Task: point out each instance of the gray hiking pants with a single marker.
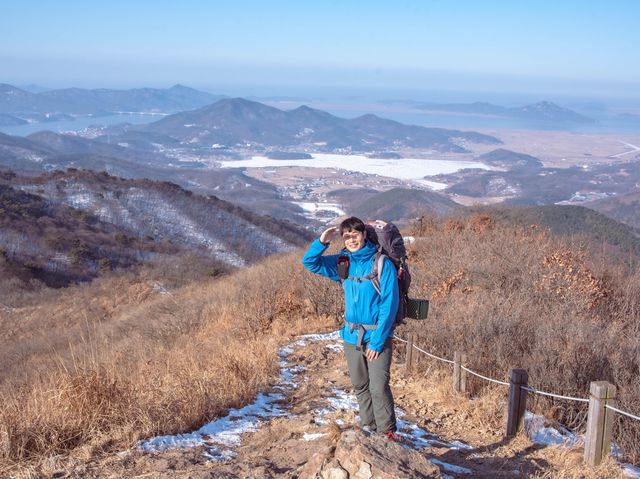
(370, 381)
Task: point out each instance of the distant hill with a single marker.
(233, 122)
(75, 145)
(569, 220)
(9, 120)
(548, 111)
(119, 222)
(396, 204)
(46, 151)
(540, 112)
(80, 101)
(623, 207)
(509, 160)
(33, 88)
(21, 154)
(540, 186)
(475, 108)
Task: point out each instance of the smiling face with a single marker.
(354, 240)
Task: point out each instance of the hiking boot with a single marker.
(392, 436)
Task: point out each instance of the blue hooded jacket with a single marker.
(363, 304)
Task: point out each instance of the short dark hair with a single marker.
(352, 224)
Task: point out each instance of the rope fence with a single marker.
(557, 396)
(433, 355)
(600, 415)
(637, 418)
(484, 377)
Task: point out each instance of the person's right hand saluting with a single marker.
(329, 235)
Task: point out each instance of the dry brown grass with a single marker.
(567, 464)
(517, 297)
(116, 361)
(99, 366)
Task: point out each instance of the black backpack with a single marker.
(387, 237)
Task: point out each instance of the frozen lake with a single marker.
(404, 169)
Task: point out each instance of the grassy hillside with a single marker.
(574, 221)
(126, 357)
(71, 226)
(107, 363)
(516, 296)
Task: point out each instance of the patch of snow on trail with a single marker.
(450, 467)
(419, 438)
(219, 435)
(225, 432)
(307, 436)
(541, 434)
(631, 471)
(549, 436)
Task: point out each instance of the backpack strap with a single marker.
(362, 328)
(376, 272)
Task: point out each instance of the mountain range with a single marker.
(21, 104)
(69, 225)
(183, 147)
(543, 111)
(46, 151)
(240, 122)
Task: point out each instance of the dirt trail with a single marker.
(305, 411)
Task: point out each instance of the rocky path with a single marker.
(305, 422)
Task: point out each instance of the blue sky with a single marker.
(563, 45)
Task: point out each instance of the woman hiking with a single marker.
(369, 318)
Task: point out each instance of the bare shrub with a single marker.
(122, 359)
(518, 297)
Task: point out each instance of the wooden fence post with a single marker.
(410, 356)
(597, 442)
(517, 400)
(459, 374)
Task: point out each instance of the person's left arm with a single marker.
(388, 307)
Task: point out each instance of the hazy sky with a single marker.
(458, 44)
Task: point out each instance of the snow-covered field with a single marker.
(404, 169)
(320, 211)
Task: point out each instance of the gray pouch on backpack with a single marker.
(417, 308)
